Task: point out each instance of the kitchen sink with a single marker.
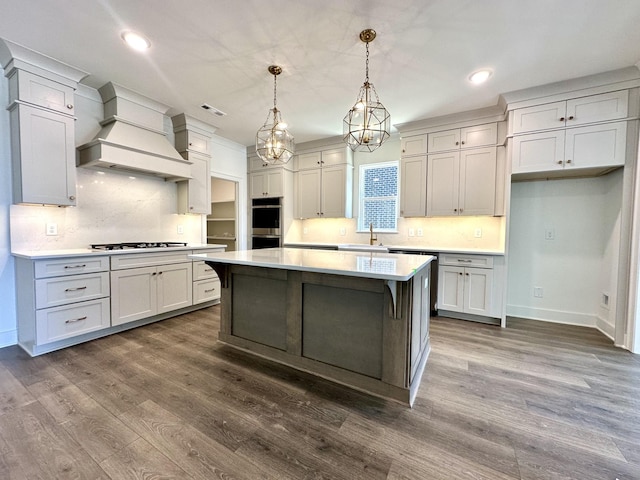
(363, 247)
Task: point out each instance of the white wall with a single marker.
(8, 334)
(575, 267)
(229, 161)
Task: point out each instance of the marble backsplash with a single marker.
(111, 207)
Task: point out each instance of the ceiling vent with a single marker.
(212, 110)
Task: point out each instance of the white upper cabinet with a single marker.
(574, 149)
(413, 186)
(414, 145)
(41, 91)
(462, 183)
(574, 112)
(268, 183)
(468, 137)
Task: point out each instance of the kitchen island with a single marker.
(360, 319)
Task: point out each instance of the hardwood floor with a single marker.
(533, 401)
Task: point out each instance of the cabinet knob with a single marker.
(72, 197)
(455, 209)
(460, 210)
(562, 119)
(467, 274)
(571, 117)
(559, 162)
(462, 143)
(69, 106)
(190, 208)
(460, 273)
(457, 143)
(568, 161)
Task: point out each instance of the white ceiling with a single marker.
(217, 51)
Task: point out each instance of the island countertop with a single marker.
(384, 266)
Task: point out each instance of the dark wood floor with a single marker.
(533, 401)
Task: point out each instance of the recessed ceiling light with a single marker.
(136, 41)
(480, 76)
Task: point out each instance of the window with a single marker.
(378, 197)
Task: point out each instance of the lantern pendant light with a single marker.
(274, 143)
(366, 126)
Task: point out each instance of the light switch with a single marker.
(549, 233)
(412, 232)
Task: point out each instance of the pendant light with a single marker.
(274, 143)
(366, 126)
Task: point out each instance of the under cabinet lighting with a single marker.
(136, 41)
(480, 76)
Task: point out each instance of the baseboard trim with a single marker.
(606, 328)
(554, 316)
(8, 338)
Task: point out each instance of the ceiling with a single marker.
(218, 51)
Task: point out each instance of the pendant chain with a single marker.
(366, 78)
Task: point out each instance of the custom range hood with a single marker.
(132, 138)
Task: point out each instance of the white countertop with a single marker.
(83, 252)
(385, 266)
(406, 248)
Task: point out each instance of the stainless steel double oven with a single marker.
(266, 217)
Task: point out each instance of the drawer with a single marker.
(481, 261)
(58, 323)
(51, 292)
(30, 88)
(119, 262)
(57, 267)
(202, 271)
(206, 290)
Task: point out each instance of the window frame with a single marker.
(361, 175)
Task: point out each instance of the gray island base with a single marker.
(357, 318)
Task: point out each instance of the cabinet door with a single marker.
(194, 195)
(309, 186)
(539, 117)
(133, 294)
(451, 288)
(275, 183)
(309, 160)
(596, 146)
(415, 145)
(443, 181)
(334, 157)
(479, 135)
(597, 108)
(41, 91)
(477, 291)
(174, 286)
(258, 186)
(43, 149)
(442, 141)
(333, 199)
(413, 186)
(477, 195)
(538, 152)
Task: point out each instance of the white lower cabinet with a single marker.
(465, 285)
(60, 299)
(139, 293)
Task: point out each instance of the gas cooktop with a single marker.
(128, 245)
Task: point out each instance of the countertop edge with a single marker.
(84, 252)
(469, 251)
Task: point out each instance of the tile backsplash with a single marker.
(111, 207)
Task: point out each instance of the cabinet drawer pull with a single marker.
(465, 260)
(74, 289)
(208, 269)
(74, 320)
(210, 290)
(75, 266)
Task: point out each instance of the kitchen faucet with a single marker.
(371, 237)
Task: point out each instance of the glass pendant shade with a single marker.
(274, 143)
(367, 124)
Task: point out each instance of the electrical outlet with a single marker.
(419, 232)
(180, 229)
(549, 233)
(305, 230)
(537, 292)
(52, 229)
(343, 231)
(412, 232)
(477, 233)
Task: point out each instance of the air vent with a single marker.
(212, 110)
